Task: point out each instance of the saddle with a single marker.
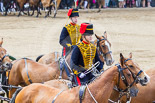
(71, 76)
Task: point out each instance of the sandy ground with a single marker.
(129, 30)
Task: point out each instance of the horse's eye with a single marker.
(128, 75)
(130, 66)
(102, 46)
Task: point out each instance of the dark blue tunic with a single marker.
(78, 64)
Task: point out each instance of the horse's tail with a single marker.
(39, 58)
(14, 95)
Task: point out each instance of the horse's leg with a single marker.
(33, 7)
(19, 14)
(81, 3)
(22, 6)
(20, 9)
(37, 11)
(29, 11)
(6, 8)
(100, 4)
(49, 9)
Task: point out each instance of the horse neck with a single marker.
(103, 86)
(98, 51)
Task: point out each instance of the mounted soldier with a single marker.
(84, 55)
(70, 34)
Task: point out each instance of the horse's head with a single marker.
(138, 74)
(104, 49)
(5, 62)
(125, 82)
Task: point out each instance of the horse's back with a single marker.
(36, 93)
(49, 58)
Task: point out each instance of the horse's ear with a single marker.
(130, 55)
(98, 37)
(105, 34)
(1, 42)
(122, 59)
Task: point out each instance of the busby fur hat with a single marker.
(73, 12)
(86, 29)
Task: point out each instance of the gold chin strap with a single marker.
(89, 29)
(75, 11)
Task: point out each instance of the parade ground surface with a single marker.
(129, 30)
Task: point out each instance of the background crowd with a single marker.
(67, 4)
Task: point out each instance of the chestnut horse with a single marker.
(49, 4)
(34, 4)
(5, 62)
(146, 94)
(103, 48)
(25, 71)
(100, 3)
(98, 91)
(20, 4)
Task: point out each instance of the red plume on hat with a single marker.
(69, 12)
(83, 28)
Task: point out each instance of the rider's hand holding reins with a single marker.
(82, 75)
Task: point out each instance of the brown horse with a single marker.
(103, 47)
(20, 4)
(98, 91)
(34, 4)
(115, 94)
(25, 71)
(49, 4)
(100, 3)
(5, 62)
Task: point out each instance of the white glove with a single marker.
(82, 75)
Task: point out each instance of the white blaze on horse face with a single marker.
(147, 78)
(108, 45)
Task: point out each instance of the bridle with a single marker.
(103, 46)
(1, 61)
(121, 75)
(6, 55)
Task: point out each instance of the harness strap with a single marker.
(57, 96)
(91, 94)
(66, 69)
(27, 71)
